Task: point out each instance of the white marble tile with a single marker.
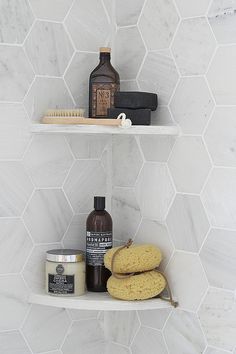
(45, 328)
(193, 46)
(48, 160)
(15, 131)
(49, 48)
(15, 245)
(128, 15)
(154, 318)
(218, 318)
(51, 10)
(221, 16)
(154, 191)
(48, 215)
(79, 315)
(189, 164)
(129, 85)
(12, 342)
(77, 77)
(119, 326)
(87, 146)
(88, 25)
(46, 93)
(15, 188)
(16, 19)
(187, 222)
(220, 137)
(156, 149)
(223, 82)
(15, 72)
(34, 271)
(13, 301)
(211, 350)
(159, 75)
(219, 197)
(90, 339)
(86, 179)
(126, 213)
(161, 116)
(126, 161)
(183, 333)
(75, 236)
(152, 232)
(218, 258)
(148, 341)
(191, 8)
(187, 280)
(158, 23)
(129, 52)
(192, 105)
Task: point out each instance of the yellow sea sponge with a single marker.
(137, 287)
(136, 258)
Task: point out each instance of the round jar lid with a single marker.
(65, 255)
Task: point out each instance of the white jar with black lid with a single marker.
(65, 272)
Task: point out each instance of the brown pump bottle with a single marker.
(98, 241)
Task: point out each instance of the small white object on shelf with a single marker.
(99, 129)
(97, 301)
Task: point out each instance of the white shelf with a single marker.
(97, 129)
(97, 301)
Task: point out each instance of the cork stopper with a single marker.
(105, 50)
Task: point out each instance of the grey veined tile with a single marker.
(219, 198)
(88, 25)
(15, 72)
(220, 137)
(12, 342)
(187, 222)
(191, 8)
(221, 16)
(87, 146)
(49, 48)
(211, 350)
(218, 318)
(44, 94)
(159, 75)
(193, 46)
(149, 340)
(218, 258)
(223, 82)
(183, 333)
(16, 19)
(127, 15)
(158, 23)
(51, 10)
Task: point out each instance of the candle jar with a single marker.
(65, 272)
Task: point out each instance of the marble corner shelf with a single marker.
(97, 301)
(95, 129)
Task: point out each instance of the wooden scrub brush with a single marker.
(76, 116)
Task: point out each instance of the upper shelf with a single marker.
(97, 301)
(97, 129)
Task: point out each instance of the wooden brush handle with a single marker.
(81, 120)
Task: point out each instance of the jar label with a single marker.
(61, 284)
(103, 98)
(97, 243)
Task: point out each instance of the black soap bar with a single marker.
(136, 100)
(137, 116)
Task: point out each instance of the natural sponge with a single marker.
(137, 287)
(136, 258)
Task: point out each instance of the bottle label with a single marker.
(97, 243)
(61, 284)
(103, 98)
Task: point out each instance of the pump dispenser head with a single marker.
(99, 203)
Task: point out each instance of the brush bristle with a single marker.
(79, 112)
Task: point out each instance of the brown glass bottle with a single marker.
(98, 241)
(104, 81)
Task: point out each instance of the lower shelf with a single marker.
(97, 301)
